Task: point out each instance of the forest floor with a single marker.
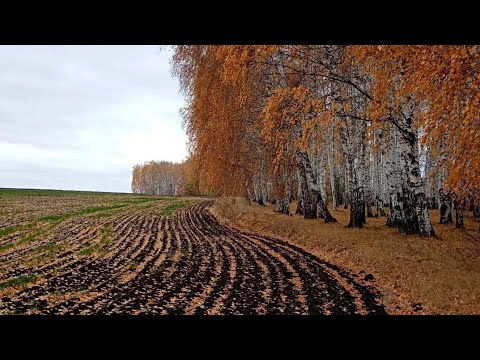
(415, 275)
(93, 253)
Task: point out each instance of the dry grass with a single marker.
(442, 274)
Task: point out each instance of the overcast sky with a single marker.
(80, 117)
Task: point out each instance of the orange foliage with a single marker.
(250, 106)
(445, 80)
(158, 178)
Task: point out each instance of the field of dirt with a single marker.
(416, 275)
(123, 254)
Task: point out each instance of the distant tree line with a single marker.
(158, 178)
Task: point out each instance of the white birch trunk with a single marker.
(332, 166)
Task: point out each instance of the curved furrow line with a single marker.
(89, 231)
(209, 301)
(187, 263)
(336, 297)
(221, 301)
(368, 296)
(106, 273)
(194, 300)
(138, 255)
(283, 294)
(9, 238)
(247, 293)
(57, 261)
(81, 240)
(260, 268)
(246, 296)
(202, 272)
(139, 242)
(125, 238)
(115, 297)
(153, 288)
(130, 296)
(120, 269)
(320, 288)
(77, 276)
(110, 290)
(187, 283)
(58, 237)
(274, 275)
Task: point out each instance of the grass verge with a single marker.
(416, 275)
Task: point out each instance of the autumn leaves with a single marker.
(264, 121)
(158, 178)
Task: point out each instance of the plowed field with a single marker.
(162, 256)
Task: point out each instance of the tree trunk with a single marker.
(382, 183)
(430, 185)
(368, 204)
(332, 167)
(257, 190)
(347, 190)
(380, 209)
(459, 216)
(322, 181)
(366, 180)
(319, 173)
(395, 216)
(309, 204)
(356, 195)
(357, 208)
(248, 192)
(417, 219)
(476, 212)
(260, 200)
(442, 173)
(323, 210)
(445, 207)
(300, 191)
(282, 203)
(313, 196)
(308, 201)
(383, 177)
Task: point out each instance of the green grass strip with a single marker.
(170, 209)
(9, 230)
(6, 247)
(21, 280)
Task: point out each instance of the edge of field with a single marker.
(415, 275)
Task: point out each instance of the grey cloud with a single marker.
(67, 179)
(82, 100)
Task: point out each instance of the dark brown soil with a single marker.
(184, 264)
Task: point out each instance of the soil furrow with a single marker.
(138, 262)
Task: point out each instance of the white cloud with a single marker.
(26, 152)
(81, 116)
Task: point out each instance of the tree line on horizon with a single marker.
(158, 178)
